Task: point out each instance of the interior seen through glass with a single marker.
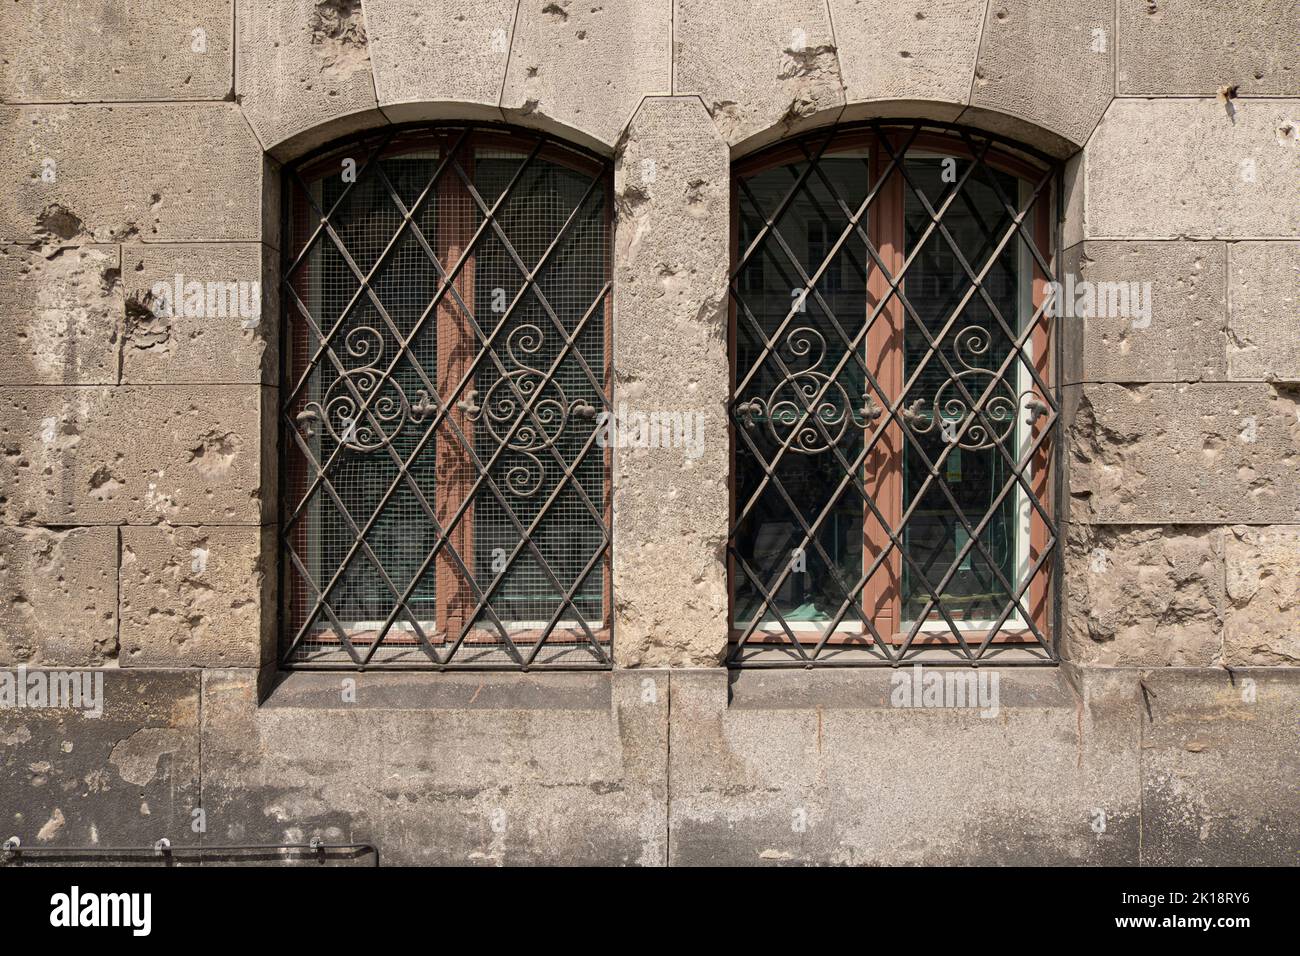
(812, 353)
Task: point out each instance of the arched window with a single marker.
(445, 352)
(894, 410)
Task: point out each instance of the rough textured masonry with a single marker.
(138, 464)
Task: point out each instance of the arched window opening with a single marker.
(894, 409)
(445, 353)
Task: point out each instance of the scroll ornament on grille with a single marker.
(952, 415)
(786, 408)
(526, 432)
(364, 409)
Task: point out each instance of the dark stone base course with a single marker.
(688, 767)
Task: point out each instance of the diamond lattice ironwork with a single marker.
(445, 352)
(894, 412)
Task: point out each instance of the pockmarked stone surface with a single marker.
(1264, 311)
(559, 47)
(198, 597)
(203, 312)
(890, 51)
(149, 171)
(1231, 178)
(1051, 65)
(101, 50)
(423, 69)
(776, 72)
(304, 72)
(137, 455)
(58, 599)
(1150, 311)
(1145, 596)
(62, 311)
(1197, 46)
(1262, 613)
(670, 294)
(1193, 453)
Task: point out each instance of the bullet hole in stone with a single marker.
(339, 22)
(109, 279)
(555, 10)
(145, 329)
(57, 224)
(104, 484)
(215, 454)
(1226, 95)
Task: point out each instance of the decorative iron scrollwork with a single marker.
(530, 432)
(363, 409)
(950, 413)
(784, 410)
(972, 429)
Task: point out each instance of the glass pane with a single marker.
(794, 351)
(526, 470)
(970, 350)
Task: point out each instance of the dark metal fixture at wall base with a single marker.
(14, 854)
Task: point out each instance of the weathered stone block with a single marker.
(138, 455)
(1185, 168)
(59, 596)
(200, 313)
(201, 597)
(101, 50)
(1264, 311)
(1051, 65)
(1262, 613)
(125, 778)
(824, 767)
(304, 73)
(1175, 327)
(1196, 46)
(1148, 597)
(560, 47)
(443, 59)
(61, 311)
(173, 171)
(1073, 229)
(670, 296)
(1219, 766)
(890, 51)
(1194, 454)
(563, 768)
(765, 73)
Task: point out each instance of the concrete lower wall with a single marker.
(680, 766)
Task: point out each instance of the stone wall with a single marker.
(137, 485)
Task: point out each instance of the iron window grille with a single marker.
(445, 352)
(894, 412)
